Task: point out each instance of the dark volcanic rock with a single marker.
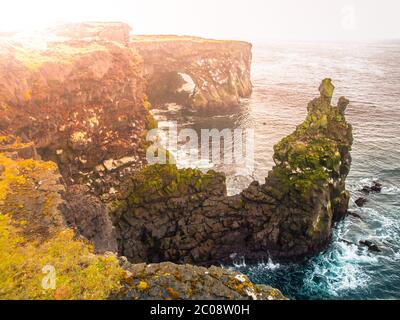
(33, 205)
(360, 202)
(366, 190)
(81, 102)
(346, 241)
(165, 214)
(353, 214)
(375, 188)
(89, 217)
(371, 246)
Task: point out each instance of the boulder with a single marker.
(354, 214)
(169, 281)
(376, 187)
(371, 246)
(360, 202)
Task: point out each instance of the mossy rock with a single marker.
(163, 181)
(33, 236)
(306, 159)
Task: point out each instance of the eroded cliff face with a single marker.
(36, 234)
(80, 102)
(81, 96)
(197, 73)
(166, 214)
(32, 192)
(78, 98)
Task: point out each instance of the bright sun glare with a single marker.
(233, 19)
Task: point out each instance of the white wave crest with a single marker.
(390, 190)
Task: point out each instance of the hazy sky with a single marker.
(234, 19)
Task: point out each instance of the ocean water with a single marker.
(285, 77)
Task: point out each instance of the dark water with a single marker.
(285, 77)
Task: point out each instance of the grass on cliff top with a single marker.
(33, 59)
(60, 53)
(66, 49)
(79, 273)
(15, 173)
(175, 38)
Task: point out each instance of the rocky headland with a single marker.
(76, 192)
(201, 74)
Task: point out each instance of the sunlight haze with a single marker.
(233, 19)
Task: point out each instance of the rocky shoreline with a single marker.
(73, 121)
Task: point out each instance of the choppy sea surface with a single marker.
(285, 77)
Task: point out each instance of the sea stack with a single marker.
(166, 214)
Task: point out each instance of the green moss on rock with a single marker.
(166, 181)
(308, 157)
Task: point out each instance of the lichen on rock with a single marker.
(33, 235)
(169, 281)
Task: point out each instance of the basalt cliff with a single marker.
(77, 194)
(198, 73)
